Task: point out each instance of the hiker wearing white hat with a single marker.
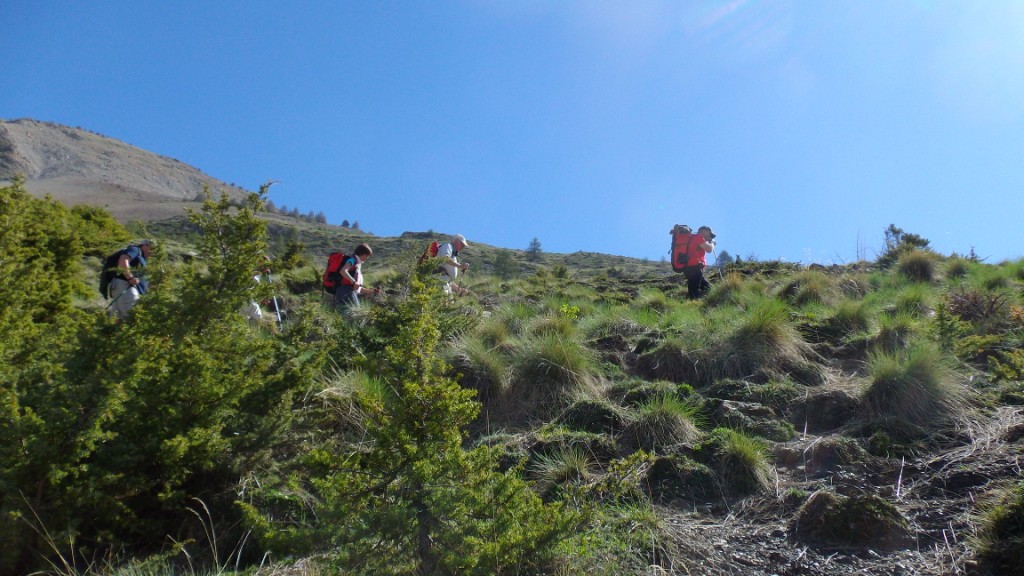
(450, 265)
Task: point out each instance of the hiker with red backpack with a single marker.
(689, 256)
(347, 278)
(450, 266)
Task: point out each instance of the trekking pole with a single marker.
(273, 297)
(721, 276)
(122, 293)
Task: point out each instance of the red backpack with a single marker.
(430, 252)
(332, 275)
(681, 236)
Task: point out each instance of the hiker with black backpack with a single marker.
(349, 284)
(689, 256)
(123, 278)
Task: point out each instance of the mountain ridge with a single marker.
(77, 166)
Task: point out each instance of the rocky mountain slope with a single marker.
(76, 166)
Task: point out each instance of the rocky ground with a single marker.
(936, 493)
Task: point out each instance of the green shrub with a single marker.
(412, 499)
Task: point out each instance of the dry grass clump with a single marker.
(662, 422)
(861, 521)
(911, 393)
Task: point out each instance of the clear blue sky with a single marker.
(797, 129)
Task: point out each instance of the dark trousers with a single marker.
(696, 284)
(345, 295)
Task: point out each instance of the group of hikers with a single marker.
(123, 280)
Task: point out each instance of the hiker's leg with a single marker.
(125, 296)
(704, 285)
(345, 296)
(693, 278)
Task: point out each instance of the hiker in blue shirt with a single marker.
(129, 283)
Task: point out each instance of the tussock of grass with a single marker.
(662, 422)
(912, 392)
(854, 286)
(610, 321)
(765, 345)
(957, 267)
(810, 287)
(1000, 539)
(733, 290)
(674, 360)
(549, 373)
(481, 367)
(655, 300)
(570, 465)
(852, 316)
(916, 299)
(494, 332)
(918, 266)
(595, 415)
(555, 323)
(895, 332)
(740, 461)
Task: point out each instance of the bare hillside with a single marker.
(80, 167)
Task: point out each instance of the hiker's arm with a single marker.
(124, 268)
(708, 246)
(346, 273)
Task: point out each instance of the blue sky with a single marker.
(797, 129)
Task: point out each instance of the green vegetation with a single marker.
(545, 424)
